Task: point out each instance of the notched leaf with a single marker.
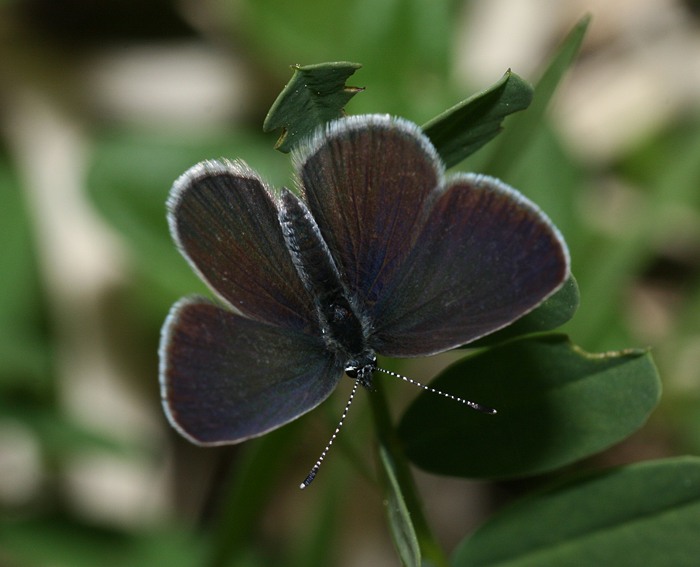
(556, 404)
(314, 95)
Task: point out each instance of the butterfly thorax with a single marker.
(339, 318)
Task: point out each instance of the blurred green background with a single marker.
(104, 104)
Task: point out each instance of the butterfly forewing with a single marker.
(225, 222)
(226, 378)
(366, 181)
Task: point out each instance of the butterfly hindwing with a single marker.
(225, 378)
(485, 257)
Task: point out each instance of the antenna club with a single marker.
(309, 478)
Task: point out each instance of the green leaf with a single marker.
(25, 357)
(552, 313)
(315, 95)
(464, 128)
(556, 404)
(521, 128)
(402, 530)
(642, 514)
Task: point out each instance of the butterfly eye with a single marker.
(352, 370)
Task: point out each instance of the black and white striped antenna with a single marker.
(312, 474)
(314, 470)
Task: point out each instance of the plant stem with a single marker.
(386, 436)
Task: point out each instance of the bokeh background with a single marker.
(104, 104)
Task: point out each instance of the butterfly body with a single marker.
(380, 253)
(342, 325)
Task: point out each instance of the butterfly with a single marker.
(378, 252)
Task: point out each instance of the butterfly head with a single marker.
(362, 367)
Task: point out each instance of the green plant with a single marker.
(557, 410)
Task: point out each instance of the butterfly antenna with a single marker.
(473, 405)
(312, 474)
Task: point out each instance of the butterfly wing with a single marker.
(226, 378)
(485, 256)
(367, 181)
(434, 266)
(225, 222)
